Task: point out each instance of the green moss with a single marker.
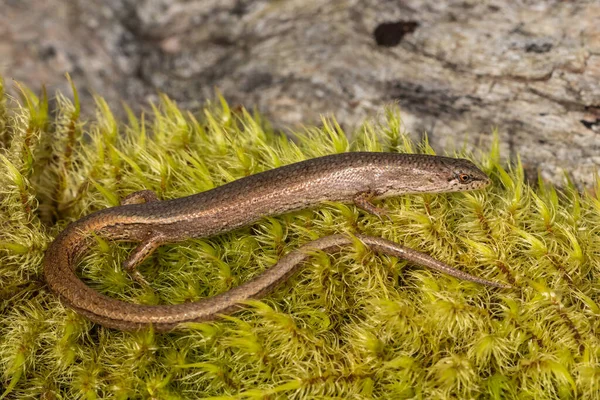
(353, 325)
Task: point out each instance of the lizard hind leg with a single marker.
(148, 245)
(139, 254)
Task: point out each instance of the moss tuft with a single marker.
(353, 325)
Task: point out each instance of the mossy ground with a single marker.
(352, 326)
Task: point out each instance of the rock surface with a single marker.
(531, 69)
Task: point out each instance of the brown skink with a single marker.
(349, 177)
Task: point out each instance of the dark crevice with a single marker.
(591, 124)
(390, 34)
(539, 48)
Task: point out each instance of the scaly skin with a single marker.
(348, 177)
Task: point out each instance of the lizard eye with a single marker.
(464, 178)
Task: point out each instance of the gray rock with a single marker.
(531, 69)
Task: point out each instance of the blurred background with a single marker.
(458, 69)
